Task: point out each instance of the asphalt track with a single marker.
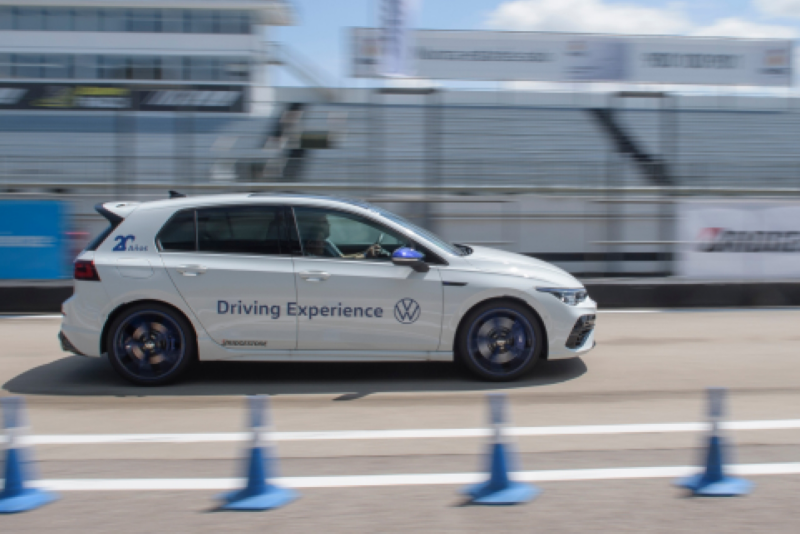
(384, 447)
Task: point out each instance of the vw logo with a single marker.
(407, 311)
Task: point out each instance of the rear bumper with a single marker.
(81, 329)
(67, 346)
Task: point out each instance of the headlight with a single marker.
(570, 297)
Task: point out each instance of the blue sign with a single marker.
(32, 240)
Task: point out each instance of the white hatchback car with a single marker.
(263, 277)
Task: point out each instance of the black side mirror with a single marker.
(409, 257)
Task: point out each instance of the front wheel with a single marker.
(500, 341)
(150, 345)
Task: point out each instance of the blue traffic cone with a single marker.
(16, 497)
(259, 493)
(500, 489)
(713, 482)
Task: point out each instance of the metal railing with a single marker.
(474, 174)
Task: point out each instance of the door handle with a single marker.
(314, 276)
(191, 270)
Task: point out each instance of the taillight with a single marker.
(85, 270)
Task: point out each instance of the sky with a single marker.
(319, 36)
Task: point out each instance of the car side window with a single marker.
(240, 230)
(335, 234)
(178, 235)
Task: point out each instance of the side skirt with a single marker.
(222, 354)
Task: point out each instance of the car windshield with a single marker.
(430, 236)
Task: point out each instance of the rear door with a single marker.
(232, 266)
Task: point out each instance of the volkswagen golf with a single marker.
(265, 277)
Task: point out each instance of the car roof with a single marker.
(253, 198)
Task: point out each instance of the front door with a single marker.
(350, 296)
(232, 267)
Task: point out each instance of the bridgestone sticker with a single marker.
(239, 343)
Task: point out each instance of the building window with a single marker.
(234, 70)
(172, 68)
(86, 20)
(29, 18)
(58, 19)
(145, 20)
(57, 66)
(113, 68)
(145, 68)
(6, 18)
(172, 21)
(99, 67)
(114, 20)
(125, 20)
(5, 66)
(202, 68)
(86, 67)
(201, 21)
(27, 66)
(234, 22)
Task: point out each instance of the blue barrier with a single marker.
(500, 489)
(713, 482)
(17, 495)
(259, 493)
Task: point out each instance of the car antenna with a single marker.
(175, 194)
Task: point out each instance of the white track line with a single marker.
(432, 433)
(630, 311)
(353, 481)
(699, 310)
(31, 317)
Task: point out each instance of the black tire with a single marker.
(499, 341)
(151, 344)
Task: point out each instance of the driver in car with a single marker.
(316, 231)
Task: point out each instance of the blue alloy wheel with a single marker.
(149, 346)
(501, 342)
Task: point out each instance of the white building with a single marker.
(142, 55)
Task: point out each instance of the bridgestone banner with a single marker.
(748, 240)
(102, 97)
(564, 57)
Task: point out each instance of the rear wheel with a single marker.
(500, 341)
(150, 345)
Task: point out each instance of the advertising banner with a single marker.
(564, 57)
(746, 240)
(109, 97)
(706, 61)
(33, 243)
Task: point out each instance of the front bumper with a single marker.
(571, 331)
(584, 327)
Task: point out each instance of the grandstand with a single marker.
(466, 139)
(555, 139)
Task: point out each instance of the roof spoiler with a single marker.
(115, 212)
